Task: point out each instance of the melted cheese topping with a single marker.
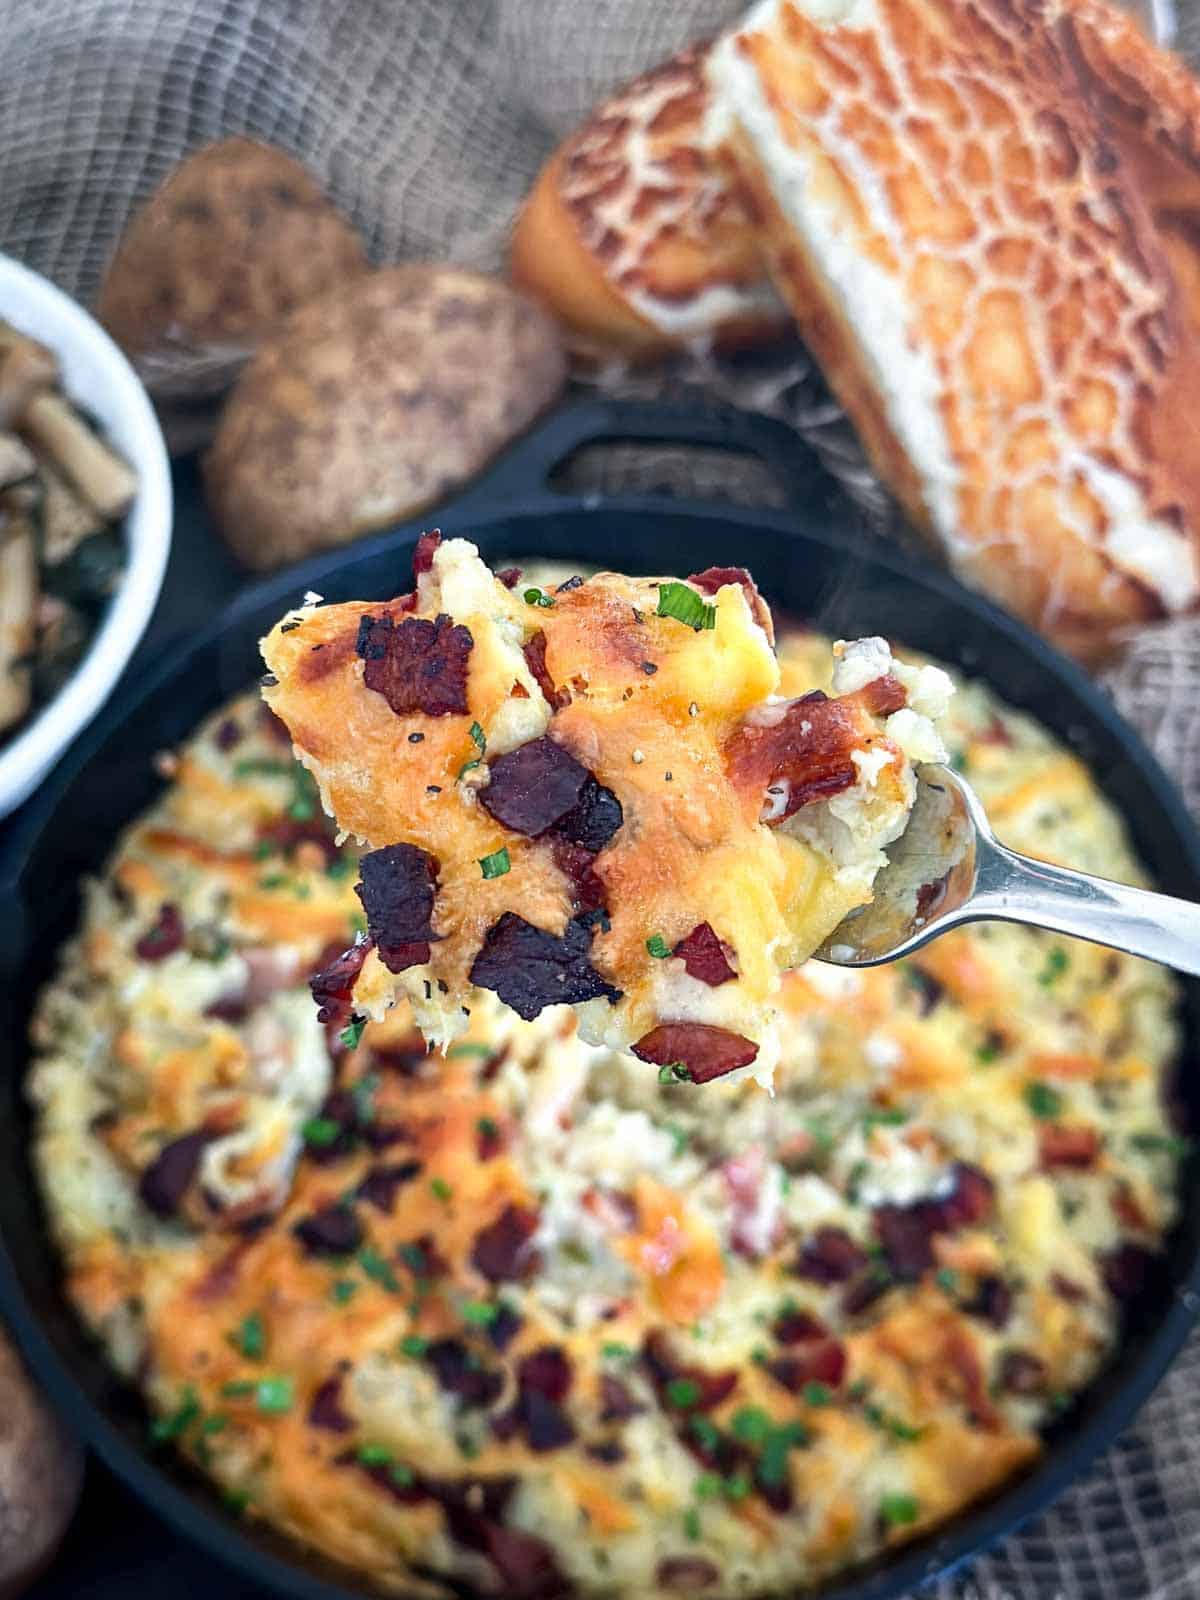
(315, 1387)
(652, 706)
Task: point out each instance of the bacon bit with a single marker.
(882, 696)
(824, 1361)
(1020, 1372)
(617, 1403)
(504, 1327)
(167, 1179)
(992, 1301)
(383, 1183)
(546, 1371)
(863, 1293)
(995, 733)
(664, 1369)
(221, 1278)
(1065, 1289)
(540, 786)
(705, 956)
(535, 659)
(931, 895)
(416, 665)
(502, 1251)
(798, 1327)
(906, 1232)
(228, 734)
(398, 889)
(525, 1563)
(510, 577)
(687, 1573)
(543, 1382)
(489, 1141)
(325, 1410)
(714, 578)
(577, 865)
(332, 1231)
(424, 552)
(1127, 1211)
(333, 985)
(163, 937)
(705, 1051)
(808, 748)
(459, 1373)
(830, 1256)
(1125, 1270)
(1060, 1146)
(530, 969)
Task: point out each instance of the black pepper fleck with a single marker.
(433, 788)
(649, 668)
(268, 680)
(289, 627)
(667, 776)
(415, 738)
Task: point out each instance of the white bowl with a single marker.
(99, 379)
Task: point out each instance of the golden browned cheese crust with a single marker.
(982, 219)
(520, 1315)
(675, 724)
(633, 236)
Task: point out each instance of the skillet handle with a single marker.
(525, 470)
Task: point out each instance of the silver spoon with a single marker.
(948, 868)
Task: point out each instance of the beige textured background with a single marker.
(427, 119)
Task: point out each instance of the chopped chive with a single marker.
(479, 1312)
(251, 1337)
(487, 1128)
(1164, 1143)
(341, 866)
(615, 1351)
(682, 1392)
(178, 1421)
(440, 1189)
(680, 601)
(217, 1422)
(946, 1279)
(495, 865)
(320, 1131)
(373, 1455)
(239, 1388)
(537, 597)
(377, 1269)
(706, 1433)
(400, 1474)
(883, 1117)
(738, 1486)
(691, 1523)
(1057, 962)
(751, 1425)
(658, 947)
(413, 1258)
(674, 1072)
(353, 1032)
(363, 1094)
(414, 1345)
(817, 1394)
(261, 766)
(274, 1394)
(680, 1135)
(343, 1290)
(477, 738)
(708, 1485)
(1042, 1100)
(898, 1510)
(483, 1051)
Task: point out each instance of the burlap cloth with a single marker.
(427, 119)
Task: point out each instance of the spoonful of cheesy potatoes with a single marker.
(592, 794)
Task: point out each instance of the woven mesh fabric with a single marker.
(427, 121)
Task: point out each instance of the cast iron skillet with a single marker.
(812, 562)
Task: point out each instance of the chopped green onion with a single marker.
(495, 865)
(320, 1131)
(706, 1433)
(538, 597)
(1165, 1143)
(683, 1392)
(478, 738)
(343, 1290)
(239, 1388)
(178, 1421)
(400, 1474)
(883, 1117)
(363, 1094)
(898, 1510)
(887, 1423)
(483, 1051)
(614, 1351)
(261, 766)
(413, 1258)
(680, 601)
(216, 1423)
(378, 1270)
(374, 1455)
(708, 1485)
(751, 1425)
(414, 1345)
(738, 1486)
(680, 1135)
(1042, 1100)
(480, 1312)
(251, 1337)
(817, 1394)
(946, 1279)
(487, 1128)
(440, 1189)
(353, 1032)
(674, 1072)
(691, 1523)
(272, 1395)
(658, 947)
(1057, 962)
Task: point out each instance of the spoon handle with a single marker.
(1016, 888)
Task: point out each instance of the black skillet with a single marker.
(811, 561)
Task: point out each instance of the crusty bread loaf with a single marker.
(635, 239)
(985, 217)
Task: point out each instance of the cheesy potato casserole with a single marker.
(592, 792)
(524, 1317)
